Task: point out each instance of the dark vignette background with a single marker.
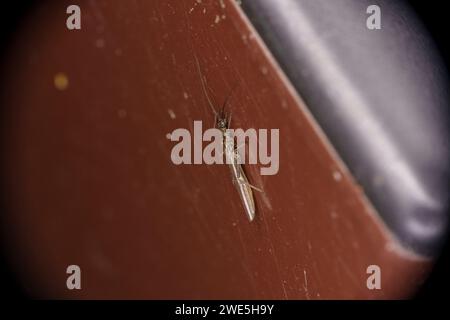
(433, 14)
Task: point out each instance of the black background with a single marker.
(433, 14)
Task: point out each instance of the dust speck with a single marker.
(264, 70)
(100, 43)
(185, 95)
(337, 176)
(171, 114)
(390, 247)
(143, 150)
(222, 4)
(217, 20)
(333, 215)
(122, 113)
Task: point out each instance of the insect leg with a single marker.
(250, 185)
(242, 178)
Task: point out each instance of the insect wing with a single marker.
(246, 193)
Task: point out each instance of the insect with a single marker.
(222, 122)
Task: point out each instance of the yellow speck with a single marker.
(61, 81)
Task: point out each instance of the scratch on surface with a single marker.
(171, 7)
(161, 17)
(282, 281)
(305, 285)
(272, 251)
(347, 271)
(197, 2)
(245, 263)
(201, 221)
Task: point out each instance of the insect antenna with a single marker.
(204, 86)
(225, 103)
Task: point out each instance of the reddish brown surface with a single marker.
(90, 182)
